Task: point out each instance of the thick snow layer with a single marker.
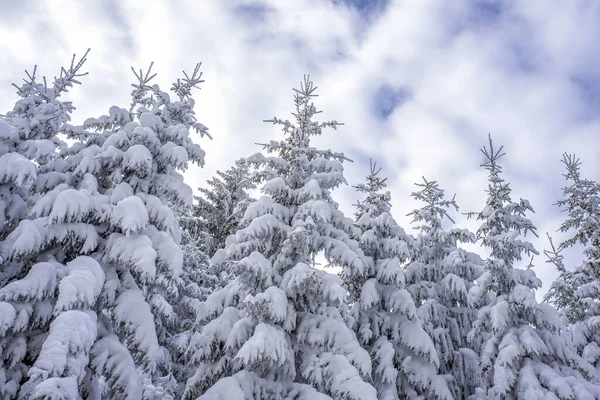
(70, 205)
(133, 312)
(267, 348)
(39, 283)
(65, 350)
(16, 170)
(113, 360)
(82, 286)
(130, 215)
(57, 389)
(133, 252)
(26, 239)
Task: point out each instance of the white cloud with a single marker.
(512, 71)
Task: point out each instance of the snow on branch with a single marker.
(67, 78)
(183, 86)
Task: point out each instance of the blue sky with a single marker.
(418, 83)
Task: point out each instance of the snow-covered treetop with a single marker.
(61, 84)
(29, 141)
(582, 203)
(434, 242)
(148, 100)
(381, 236)
(503, 221)
(181, 111)
(574, 290)
(377, 201)
(299, 135)
(297, 159)
(39, 115)
(436, 207)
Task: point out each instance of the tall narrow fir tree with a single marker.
(405, 362)
(439, 279)
(279, 329)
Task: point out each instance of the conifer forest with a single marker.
(121, 279)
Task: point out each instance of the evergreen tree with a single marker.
(197, 282)
(113, 330)
(577, 292)
(405, 360)
(278, 330)
(439, 280)
(222, 205)
(37, 253)
(142, 161)
(523, 353)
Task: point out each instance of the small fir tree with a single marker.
(439, 280)
(222, 205)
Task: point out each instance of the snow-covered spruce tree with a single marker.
(222, 204)
(115, 205)
(278, 330)
(196, 261)
(577, 292)
(139, 166)
(34, 250)
(404, 358)
(439, 280)
(197, 282)
(523, 353)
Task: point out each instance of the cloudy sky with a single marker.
(418, 83)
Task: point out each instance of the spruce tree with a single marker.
(439, 280)
(577, 292)
(278, 330)
(42, 311)
(522, 351)
(113, 322)
(222, 205)
(405, 361)
(197, 282)
(142, 161)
